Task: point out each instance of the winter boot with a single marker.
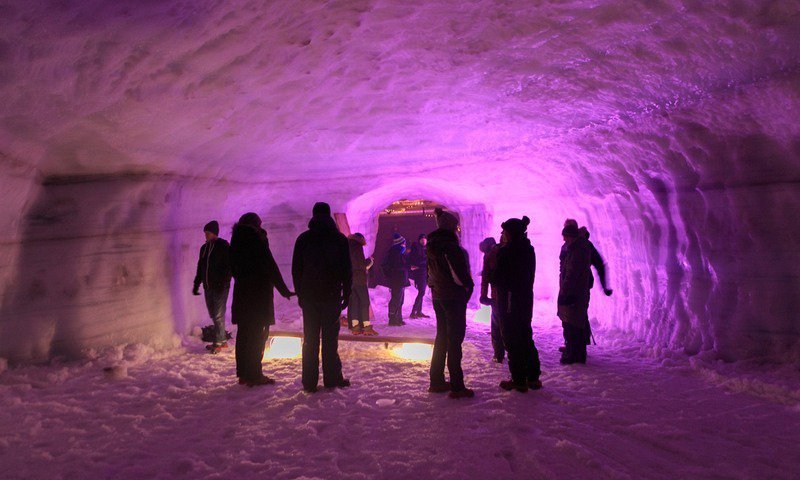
(509, 385)
(443, 388)
(262, 380)
(368, 331)
(356, 329)
(343, 383)
(535, 384)
(422, 315)
(218, 347)
(466, 393)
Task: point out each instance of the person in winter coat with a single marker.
(256, 275)
(489, 248)
(599, 265)
(451, 288)
(214, 273)
(575, 281)
(358, 309)
(513, 279)
(323, 277)
(395, 269)
(418, 263)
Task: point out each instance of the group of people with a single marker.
(329, 272)
(400, 266)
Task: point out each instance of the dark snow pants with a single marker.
(396, 305)
(523, 357)
(321, 320)
(422, 285)
(358, 308)
(576, 343)
(451, 326)
(250, 341)
(497, 334)
(216, 301)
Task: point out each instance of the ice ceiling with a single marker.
(669, 128)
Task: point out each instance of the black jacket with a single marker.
(213, 266)
(395, 267)
(513, 278)
(448, 267)
(360, 263)
(256, 274)
(418, 257)
(596, 260)
(321, 266)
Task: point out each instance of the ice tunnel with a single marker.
(668, 128)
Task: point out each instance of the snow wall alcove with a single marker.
(668, 128)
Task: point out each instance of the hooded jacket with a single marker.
(213, 266)
(395, 267)
(448, 266)
(359, 262)
(256, 275)
(596, 259)
(417, 257)
(575, 281)
(321, 267)
(513, 279)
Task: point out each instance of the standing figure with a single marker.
(489, 249)
(513, 279)
(214, 273)
(598, 264)
(418, 262)
(395, 269)
(451, 287)
(358, 309)
(256, 276)
(323, 277)
(575, 281)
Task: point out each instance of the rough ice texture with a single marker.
(669, 128)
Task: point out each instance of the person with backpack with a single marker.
(256, 276)
(451, 288)
(575, 282)
(323, 278)
(214, 274)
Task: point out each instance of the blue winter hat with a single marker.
(398, 239)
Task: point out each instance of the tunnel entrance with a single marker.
(409, 218)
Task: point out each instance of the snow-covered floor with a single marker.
(182, 415)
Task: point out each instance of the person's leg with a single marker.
(456, 330)
(262, 335)
(497, 335)
(311, 336)
(393, 301)
(439, 346)
(353, 308)
(331, 363)
(401, 294)
(362, 293)
(533, 364)
(514, 346)
(219, 302)
(420, 285)
(241, 346)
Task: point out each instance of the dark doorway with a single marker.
(409, 218)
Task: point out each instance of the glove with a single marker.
(486, 300)
(196, 290)
(608, 292)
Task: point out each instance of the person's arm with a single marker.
(600, 266)
(225, 259)
(485, 274)
(198, 277)
(275, 275)
(297, 265)
(347, 274)
(459, 267)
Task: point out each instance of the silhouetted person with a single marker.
(358, 309)
(513, 279)
(575, 280)
(598, 264)
(395, 269)
(214, 273)
(418, 265)
(489, 249)
(255, 276)
(451, 287)
(323, 277)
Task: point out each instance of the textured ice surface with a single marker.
(669, 128)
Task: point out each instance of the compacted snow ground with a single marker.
(181, 415)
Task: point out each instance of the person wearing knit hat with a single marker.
(451, 288)
(214, 274)
(513, 279)
(323, 279)
(575, 282)
(358, 311)
(489, 248)
(395, 269)
(418, 263)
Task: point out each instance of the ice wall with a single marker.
(669, 128)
